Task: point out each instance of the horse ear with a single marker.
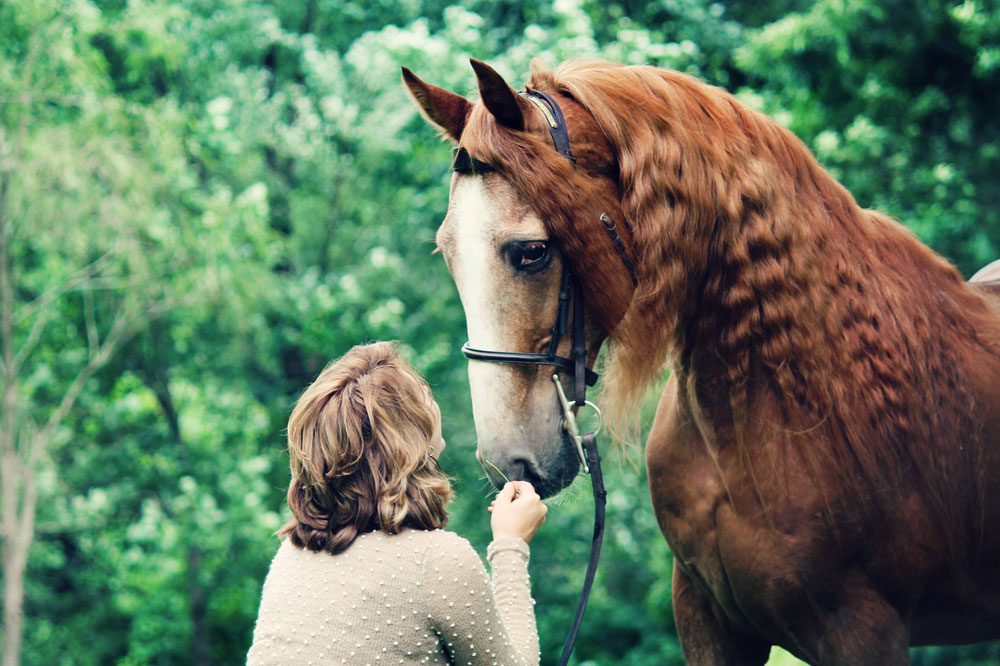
(499, 98)
(442, 108)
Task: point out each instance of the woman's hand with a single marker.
(517, 511)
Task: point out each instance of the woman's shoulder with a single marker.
(407, 546)
(431, 542)
(435, 548)
(445, 538)
(451, 559)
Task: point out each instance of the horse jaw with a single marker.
(515, 408)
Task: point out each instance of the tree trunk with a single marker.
(200, 655)
(14, 553)
(156, 376)
(15, 560)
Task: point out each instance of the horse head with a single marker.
(520, 212)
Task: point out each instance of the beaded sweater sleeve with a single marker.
(508, 559)
(484, 622)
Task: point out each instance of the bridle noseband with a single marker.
(576, 364)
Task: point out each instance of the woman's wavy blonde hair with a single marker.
(358, 440)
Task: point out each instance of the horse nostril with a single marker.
(517, 469)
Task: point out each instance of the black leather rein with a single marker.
(575, 365)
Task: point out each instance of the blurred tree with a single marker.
(76, 277)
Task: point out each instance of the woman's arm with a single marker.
(479, 621)
(508, 558)
(518, 512)
(496, 624)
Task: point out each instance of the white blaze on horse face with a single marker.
(477, 266)
(483, 310)
(515, 411)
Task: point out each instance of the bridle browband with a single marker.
(576, 364)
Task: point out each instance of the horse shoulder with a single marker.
(684, 482)
(730, 560)
(690, 497)
(687, 492)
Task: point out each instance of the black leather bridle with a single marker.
(576, 364)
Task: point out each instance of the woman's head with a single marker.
(358, 441)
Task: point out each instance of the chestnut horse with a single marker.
(825, 460)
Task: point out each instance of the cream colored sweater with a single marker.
(415, 597)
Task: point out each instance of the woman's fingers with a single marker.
(506, 493)
(517, 511)
(523, 488)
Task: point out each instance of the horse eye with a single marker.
(529, 256)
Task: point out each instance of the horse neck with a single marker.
(839, 314)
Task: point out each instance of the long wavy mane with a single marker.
(757, 265)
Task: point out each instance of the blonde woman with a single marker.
(365, 574)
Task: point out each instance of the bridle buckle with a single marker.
(572, 426)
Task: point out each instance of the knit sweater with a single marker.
(414, 597)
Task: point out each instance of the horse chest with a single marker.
(750, 567)
(693, 504)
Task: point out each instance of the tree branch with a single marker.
(70, 282)
(120, 330)
(93, 337)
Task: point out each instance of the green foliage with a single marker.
(919, 140)
(253, 172)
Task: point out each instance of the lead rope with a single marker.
(590, 458)
(600, 500)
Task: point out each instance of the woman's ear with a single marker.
(444, 109)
